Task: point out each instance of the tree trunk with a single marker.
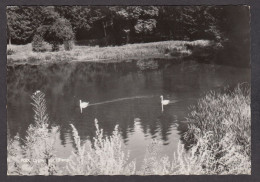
(105, 33)
(8, 34)
(104, 27)
(55, 46)
(127, 37)
(67, 45)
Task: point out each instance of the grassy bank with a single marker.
(23, 54)
(220, 134)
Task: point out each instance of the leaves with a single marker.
(145, 26)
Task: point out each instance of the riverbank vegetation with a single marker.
(219, 138)
(22, 54)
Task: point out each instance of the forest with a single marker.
(115, 25)
(227, 26)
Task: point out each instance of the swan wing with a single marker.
(165, 102)
(84, 104)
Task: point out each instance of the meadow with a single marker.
(219, 137)
(23, 54)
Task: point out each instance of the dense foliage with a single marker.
(215, 113)
(38, 44)
(122, 24)
(60, 31)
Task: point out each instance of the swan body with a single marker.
(83, 105)
(164, 102)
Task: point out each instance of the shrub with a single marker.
(10, 51)
(36, 156)
(105, 157)
(205, 157)
(223, 114)
(33, 59)
(38, 44)
(68, 45)
(227, 118)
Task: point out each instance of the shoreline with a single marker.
(165, 50)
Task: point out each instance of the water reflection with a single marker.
(118, 93)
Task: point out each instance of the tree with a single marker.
(134, 20)
(145, 26)
(57, 33)
(80, 17)
(19, 24)
(22, 22)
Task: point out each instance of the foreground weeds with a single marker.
(226, 119)
(219, 131)
(104, 157)
(36, 155)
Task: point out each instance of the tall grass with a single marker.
(220, 135)
(223, 114)
(154, 50)
(227, 117)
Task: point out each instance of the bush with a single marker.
(227, 117)
(221, 134)
(38, 44)
(68, 45)
(223, 114)
(10, 51)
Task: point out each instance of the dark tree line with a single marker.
(115, 25)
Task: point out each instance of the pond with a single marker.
(125, 94)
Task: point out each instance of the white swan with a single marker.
(83, 105)
(164, 102)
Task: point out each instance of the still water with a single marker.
(119, 94)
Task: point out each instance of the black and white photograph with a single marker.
(128, 90)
